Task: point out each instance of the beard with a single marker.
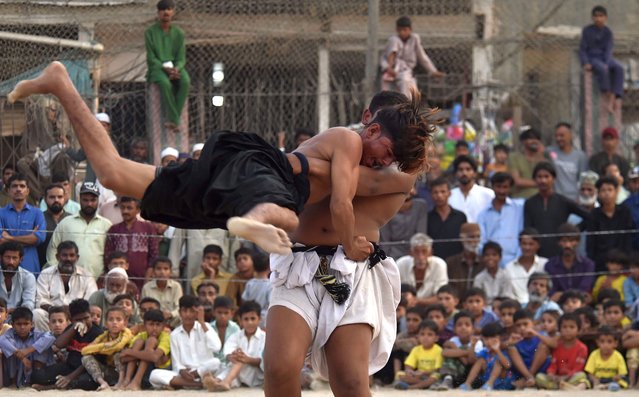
(88, 211)
(589, 201)
(110, 296)
(56, 208)
(471, 247)
(464, 180)
(533, 297)
(66, 268)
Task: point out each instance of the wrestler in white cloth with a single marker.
(295, 288)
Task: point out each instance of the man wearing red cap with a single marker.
(609, 154)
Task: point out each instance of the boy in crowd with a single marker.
(98, 357)
(168, 292)
(568, 359)
(500, 163)
(606, 367)
(146, 304)
(631, 284)
(572, 300)
(259, 288)
(211, 260)
(423, 362)
(244, 265)
(71, 374)
(147, 350)
(437, 314)
(223, 325)
(24, 348)
(492, 280)
(459, 353)
(193, 348)
(448, 297)
(518, 271)
(243, 351)
(96, 314)
(409, 293)
(614, 315)
(589, 326)
(406, 341)
(506, 312)
(616, 261)
(630, 342)
(58, 320)
(522, 353)
(475, 303)
(493, 364)
(127, 303)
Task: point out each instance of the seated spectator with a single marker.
(631, 284)
(470, 198)
(4, 315)
(24, 349)
(223, 323)
(258, 289)
(538, 301)
(59, 285)
(614, 315)
(630, 342)
(59, 320)
(409, 293)
(519, 271)
(506, 314)
(437, 314)
(492, 359)
(407, 340)
(522, 353)
(193, 348)
(128, 305)
(475, 304)
(606, 367)
(568, 359)
(211, 260)
(502, 219)
(464, 267)
(616, 263)
(448, 297)
(572, 300)
(423, 362)
(422, 270)
(243, 351)
(459, 353)
(146, 304)
(96, 314)
(168, 292)
(609, 217)
(500, 161)
(589, 326)
(411, 218)
(569, 262)
(17, 285)
(115, 285)
(208, 291)
(244, 264)
(98, 357)
(147, 350)
(444, 221)
(120, 259)
(492, 279)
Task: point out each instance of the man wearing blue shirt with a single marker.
(17, 285)
(23, 223)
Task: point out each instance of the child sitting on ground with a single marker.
(423, 362)
(459, 353)
(568, 359)
(616, 261)
(406, 341)
(98, 357)
(631, 285)
(630, 342)
(614, 315)
(523, 352)
(259, 288)
(572, 300)
(606, 367)
(223, 325)
(437, 314)
(448, 297)
(475, 303)
(506, 312)
(167, 291)
(589, 327)
(147, 350)
(493, 364)
(96, 315)
(492, 280)
(127, 303)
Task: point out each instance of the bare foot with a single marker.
(104, 387)
(119, 386)
(617, 104)
(213, 384)
(268, 237)
(610, 102)
(46, 83)
(132, 387)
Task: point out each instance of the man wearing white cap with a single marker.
(197, 151)
(169, 155)
(79, 155)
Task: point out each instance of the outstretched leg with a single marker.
(125, 177)
(265, 225)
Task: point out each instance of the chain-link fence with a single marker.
(301, 63)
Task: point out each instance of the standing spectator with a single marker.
(165, 58)
(403, 52)
(632, 202)
(546, 210)
(519, 270)
(7, 173)
(521, 165)
(595, 53)
(607, 218)
(59, 285)
(611, 170)
(503, 218)
(569, 161)
(136, 238)
(139, 150)
(17, 285)
(412, 218)
(469, 197)
(211, 260)
(425, 272)
(168, 292)
(70, 206)
(570, 270)
(87, 229)
(23, 223)
(244, 263)
(609, 154)
(500, 163)
(444, 221)
(465, 266)
(54, 199)
(461, 149)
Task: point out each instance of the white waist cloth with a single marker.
(375, 294)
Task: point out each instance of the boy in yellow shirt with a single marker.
(424, 361)
(606, 367)
(616, 262)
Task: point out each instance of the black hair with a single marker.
(607, 294)
(150, 300)
(570, 317)
(59, 309)
(540, 276)
(523, 314)
(419, 310)
(530, 232)
(260, 262)
(114, 309)
(606, 180)
(52, 186)
(402, 302)
(12, 246)
(17, 177)
(474, 292)
(386, 98)
(441, 181)
(122, 297)
(59, 178)
(117, 255)
(461, 143)
(165, 5)
(570, 294)
(79, 306)
(500, 147)
(436, 307)
(501, 177)
(126, 199)
(614, 303)
(563, 124)
(429, 324)
(66, 245)
(8, 167)
(223, 302)
(408, 288)
(154, 315)
(530, 133)
(403, 22)
(243, 251)
(212, 249)
(303, 131)
(616, 255)
(492, 329)
(3, 302)
(448, 289)
(249, 307)
(589, 313)
(188, 301)
(491, 245)
(464, 159)
(544, 166)
(22, 313)
(509, 304)
(568, 230)
(462, 314)
(552, 313)
(161, 259)
(208, 283)
(606, 330)
(599, 10)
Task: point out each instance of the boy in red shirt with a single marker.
(568, 359)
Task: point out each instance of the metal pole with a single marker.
(372, 58)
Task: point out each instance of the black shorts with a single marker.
(236, 171)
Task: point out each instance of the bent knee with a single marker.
(350, 386)
(279, 369)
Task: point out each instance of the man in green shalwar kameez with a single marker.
(166, 57)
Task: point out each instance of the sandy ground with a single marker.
(385, 392)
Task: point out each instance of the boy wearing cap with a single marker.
(608, 154)
(169, 156)
(197, 151)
